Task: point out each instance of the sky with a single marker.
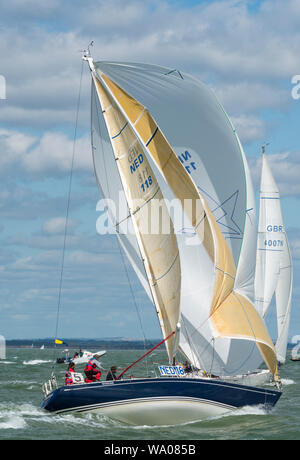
(246, 51)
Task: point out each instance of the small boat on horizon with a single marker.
(295, 355)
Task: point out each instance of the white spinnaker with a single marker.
(200, 133)
(206, 143)
(283, 301)
(270, 241)
(244, 282)
(147, 129)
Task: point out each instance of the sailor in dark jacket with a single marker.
(112, 373)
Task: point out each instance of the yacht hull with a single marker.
(161, 401)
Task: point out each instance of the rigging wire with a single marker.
(67, 211)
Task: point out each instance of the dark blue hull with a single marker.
(136, 401)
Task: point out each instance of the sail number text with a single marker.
(274, 243)
(274, 228)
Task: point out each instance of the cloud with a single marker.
(224, 42)
(248, 55)
(249, 128)
(53, 155)
(295, 247)
(13, 146)
(50, 155)
(285, 168)
(21, 203)
(246, 96)
(57, 225)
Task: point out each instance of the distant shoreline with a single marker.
(97, 344)
(106, 344)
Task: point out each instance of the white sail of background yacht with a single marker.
(283, 295)
(274, 265)
(295, 355)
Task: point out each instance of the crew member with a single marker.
(92, 370)
(187, 367)
(112, 373)
(68, 375)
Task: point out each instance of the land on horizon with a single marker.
(107, 343)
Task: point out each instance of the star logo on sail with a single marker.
(224, 214)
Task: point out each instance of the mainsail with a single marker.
(228, 314)
(274, 264)
(159, 251)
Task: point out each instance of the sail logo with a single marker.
(171, 371)
(136, 163)
(274, 242)
(186, 160)
(296, 89)
(2, 87)
(2, 347)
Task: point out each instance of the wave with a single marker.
(12, 416)
(34, 362)
(287, 382)
(12, 422)
(18, 417)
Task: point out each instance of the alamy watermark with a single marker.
(153, 217)
(296, 89)
(2, 347)
(2, 87)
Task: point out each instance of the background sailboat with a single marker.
(295, 355)
(274, 271)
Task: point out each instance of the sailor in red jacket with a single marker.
(68, 376)
(92, 369)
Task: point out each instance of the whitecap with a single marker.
(12, 422)
(246, 410)
(34, 362)
(12, 416)
(287, 382)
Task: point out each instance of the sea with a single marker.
(23, 372)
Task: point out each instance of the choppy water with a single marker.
(24, 370)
